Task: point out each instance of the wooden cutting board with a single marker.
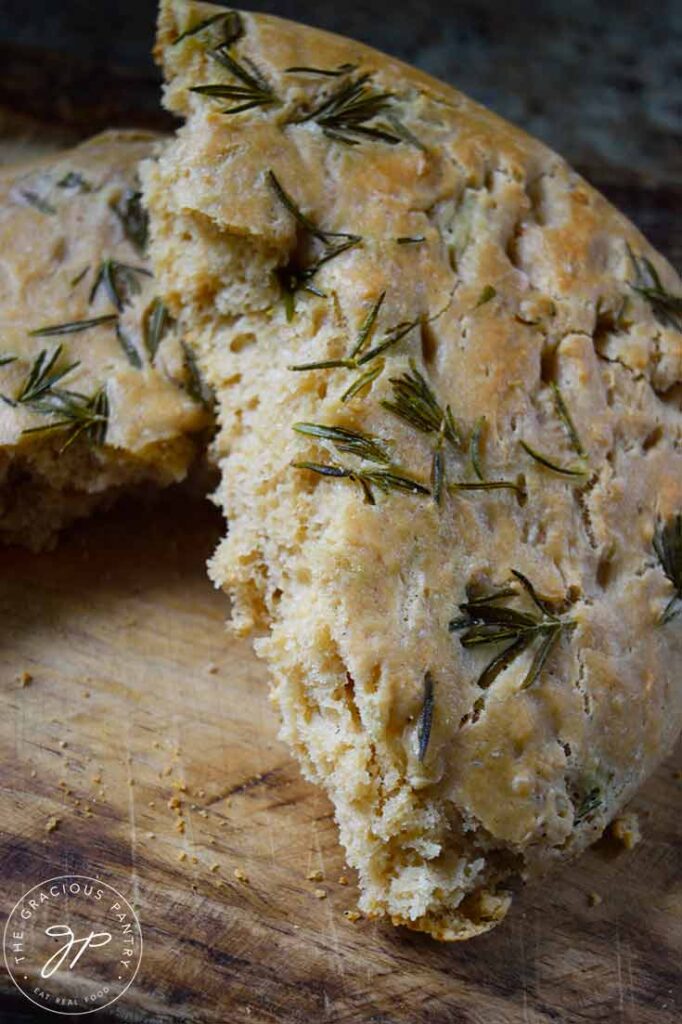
(141, 714)
(143, 752)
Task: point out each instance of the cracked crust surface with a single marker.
(58, 222)
(522, 278)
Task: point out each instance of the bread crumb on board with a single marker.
(53, 824)
(315, 876)
(320, 894)
(625, 828)
(594, 899)
(241, 876)
(24, 679)
(352, 915)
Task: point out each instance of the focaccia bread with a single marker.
(448, 382)
(95, 391)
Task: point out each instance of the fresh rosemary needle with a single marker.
(6, 360)
(41, 378)
(133, 218)
(155, 323)
(384, 479)
(590, 801)
(78, 413)
(668, 547)
(426, 717)
(233, 27)
(74, 327)
(132, 355)
(342, 69)
(196, 386)
(120, 281)
(567, 420)
(344, 115)
(253, 91)
(475, 447)
(349, 442)
(667, 308)
(79, 277)
(486, 295)
(363, 381)
(488, 624)
(481, 483)
(549, 463)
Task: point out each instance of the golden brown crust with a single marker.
(58, 223)
(517, 276)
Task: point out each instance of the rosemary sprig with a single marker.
(120, 282)
(589, 803)
(74, 327)
(667, 308)
(41, 378)
(360, 355)
(254, 90)
(486, 624)
(132, 355)
(384, 479)
(415, 402)
(349, 442)
(78, 413)
(233, 27)
(425, 717)
(296, 276)
(133, 218)
(345, 114)
(75, 411)
(549, 463)
(567, 420)
(155, 322)
(342, 69)
(668, 547)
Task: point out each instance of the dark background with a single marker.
(599, 80)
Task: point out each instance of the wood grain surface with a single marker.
(146, 736)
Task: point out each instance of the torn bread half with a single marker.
(95, 391)
(448, 380)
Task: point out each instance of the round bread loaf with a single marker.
(448, 376)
